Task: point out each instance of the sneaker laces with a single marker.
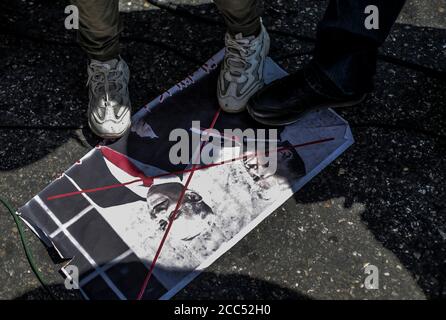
(237, 53)
(105, 81)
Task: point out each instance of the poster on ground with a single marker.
(108, 213)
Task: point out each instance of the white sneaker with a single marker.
(241, 73)
(109, 110)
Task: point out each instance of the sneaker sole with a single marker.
(111, 135)
(275, 122)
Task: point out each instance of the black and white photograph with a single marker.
(222, 154)
(137, 199)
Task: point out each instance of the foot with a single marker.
(241, 74)
(285, 100)
(109, 107)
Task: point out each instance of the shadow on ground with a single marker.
(396, 169)
(230, 287)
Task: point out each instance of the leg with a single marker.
(99, 28)
(342, 70)
(241, 16)
(346, 51)
(108, 75)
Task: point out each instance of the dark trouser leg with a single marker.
(99, 28)
(241, 16)
(346, 51)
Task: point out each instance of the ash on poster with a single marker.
(112, 233)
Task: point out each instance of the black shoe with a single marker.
(286, 100)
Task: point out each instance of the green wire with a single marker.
(27, 250)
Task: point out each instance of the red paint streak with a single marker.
(197, 168)
(74, 193)
(123, 162)
(172, 218)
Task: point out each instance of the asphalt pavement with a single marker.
(381, 203)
